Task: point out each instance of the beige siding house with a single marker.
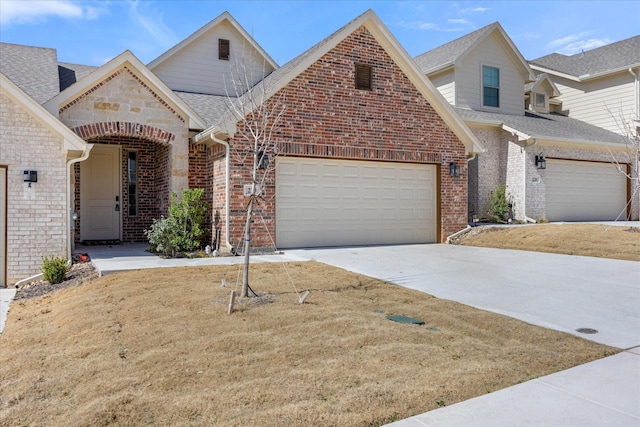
(554, 167)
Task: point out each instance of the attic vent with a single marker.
(363, 76)
(223, 49)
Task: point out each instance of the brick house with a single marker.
(364, 150)
(554, 165)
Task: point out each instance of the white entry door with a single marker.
(3, 227)
(100, 198)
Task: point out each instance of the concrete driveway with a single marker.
(560, 292)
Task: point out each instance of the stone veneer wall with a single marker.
(37, 215)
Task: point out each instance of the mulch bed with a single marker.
(79, 273)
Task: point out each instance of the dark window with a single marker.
(223, 49)
(132, 184)
(363, 76)
(490, 86)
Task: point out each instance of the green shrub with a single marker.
(54, 269)
(183, 230)
(499, 205)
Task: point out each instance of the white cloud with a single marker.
(418, 25)
(473, 10)
(458, 21)
(34, 11)
(152, 22)
(575, 43)
(580, 45)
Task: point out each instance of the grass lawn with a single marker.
(604, 241)
(157, 347)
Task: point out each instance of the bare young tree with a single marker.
(257, 113)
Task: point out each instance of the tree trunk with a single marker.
(247, 246)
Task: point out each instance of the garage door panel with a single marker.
(584, 191)
(353, 203)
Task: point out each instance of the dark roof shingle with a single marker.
(615, 56)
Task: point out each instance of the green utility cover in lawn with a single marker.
(404, 319)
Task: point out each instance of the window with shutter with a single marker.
(363, 76)
(223, 49)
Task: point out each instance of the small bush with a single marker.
(183, 230)
(54, 269)
(499, 205)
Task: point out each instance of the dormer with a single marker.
(539, 95)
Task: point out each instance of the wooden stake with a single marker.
(232, 301)
(304, 297)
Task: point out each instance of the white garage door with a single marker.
(323, 202)
(584, 191)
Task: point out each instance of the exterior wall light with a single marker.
(263, 160)
(454, 169)
(541, 162)
(30, 176)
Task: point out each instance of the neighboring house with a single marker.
(599, 86)
(554, 167)
(37, 153)
(365, 147)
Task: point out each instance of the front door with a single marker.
(3, 227)
(100, 199)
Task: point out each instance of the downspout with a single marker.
(637, 89)
(227, 195)
(468, 227)
(526, 218)
(70, 163)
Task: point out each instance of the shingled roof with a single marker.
(546, 126)
(603, 60)
(445, 55)
(32, 69)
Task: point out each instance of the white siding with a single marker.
(446, 85)
(600, 102)
(196, 68)
(469, 78)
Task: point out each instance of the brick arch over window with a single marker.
(124, 129)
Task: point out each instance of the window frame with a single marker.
(485, 86)
(224, 49)
(135, 182)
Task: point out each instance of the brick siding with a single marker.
(327, 117)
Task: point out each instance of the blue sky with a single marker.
(93, 32)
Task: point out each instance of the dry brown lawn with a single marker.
(157, 347)
(604, 241)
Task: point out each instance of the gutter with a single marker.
(210, 133)
(70, 163)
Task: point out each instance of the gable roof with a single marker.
(32, 69)
(72, 143)
(553, 128)
(285, 74)
(225, 16)
(597, 62)
(543, 79)
(125, 59)
(452, 53)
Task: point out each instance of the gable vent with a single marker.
(363, 76)
(223, 49)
